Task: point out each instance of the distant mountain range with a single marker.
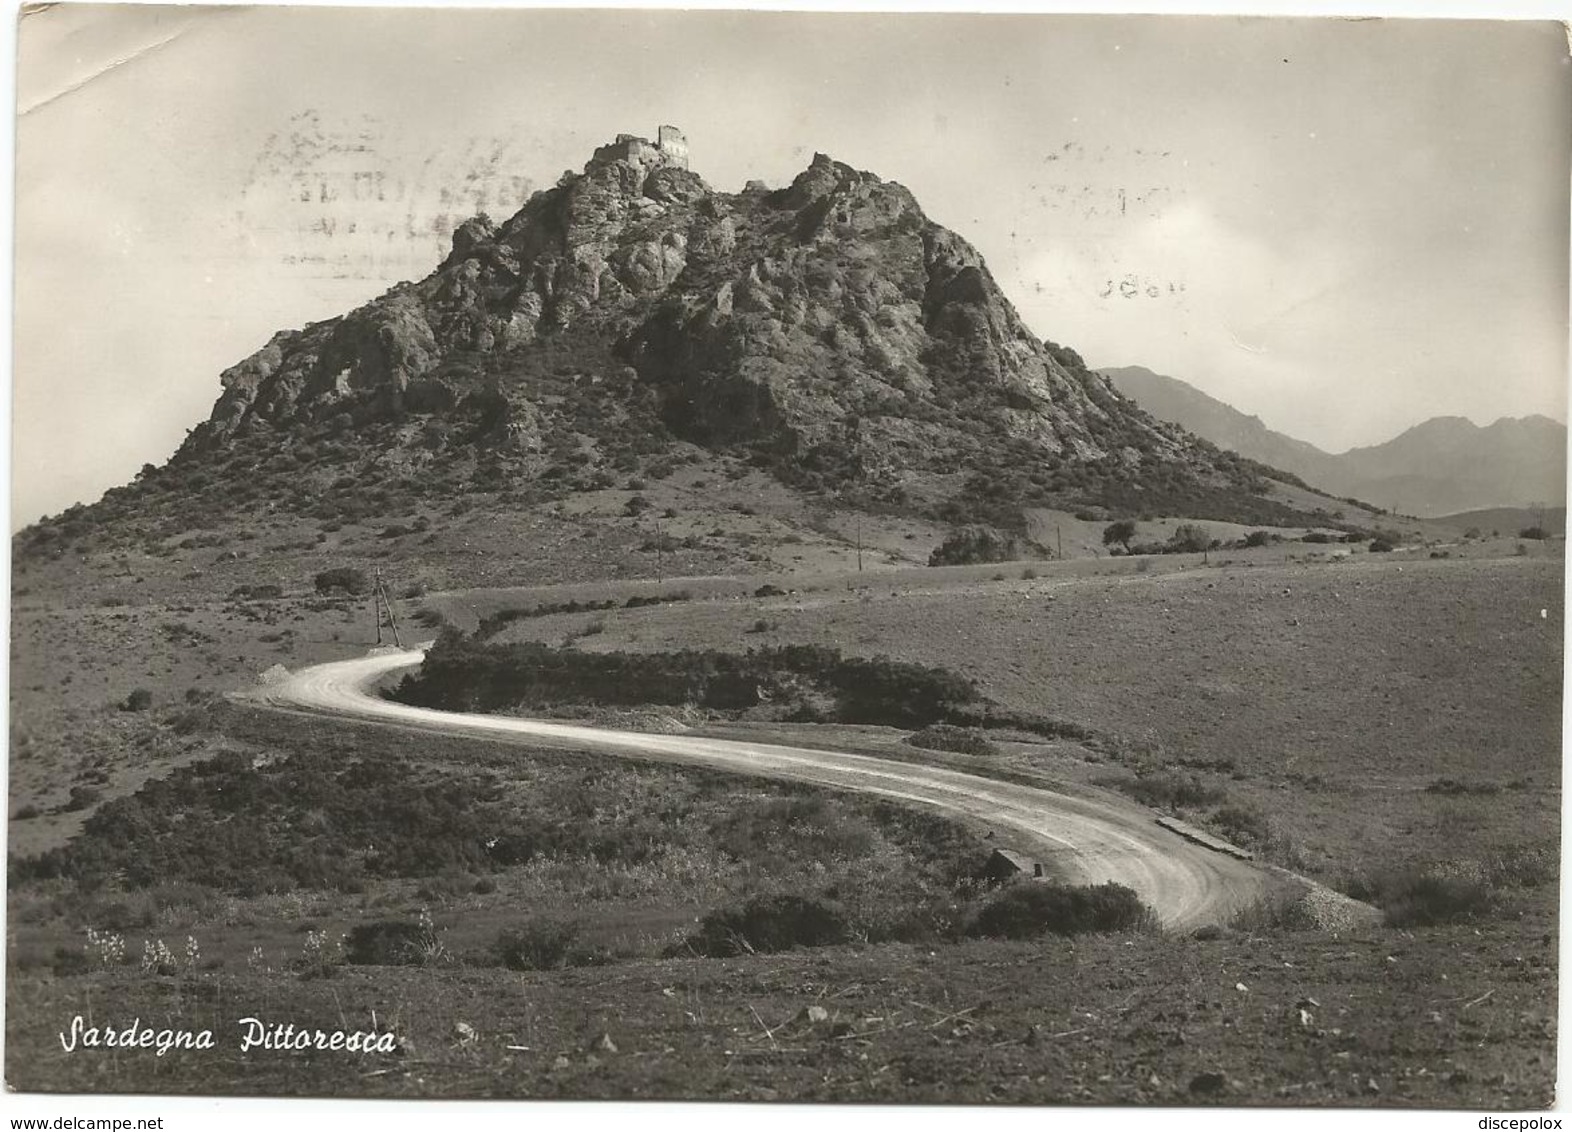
(1439, 467)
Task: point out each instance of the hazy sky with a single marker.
(1343, 227)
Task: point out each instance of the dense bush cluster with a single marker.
(1029, 909)
(769, 923)
(460, 674)
(976, 544)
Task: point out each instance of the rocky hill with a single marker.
(1438, 467)
(633, 319)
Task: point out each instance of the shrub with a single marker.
(1381, 546)
(81, 798)
(1188, 538)
(540, 944)
(1261, 538)
(1029, 908)
(1427, 899)
(1238, 823)
(769, 923)
(1119, 533)
(342, 578)
(139, 700)
(979, 544)
(386, 943)
(945, 737)
(1535, 532)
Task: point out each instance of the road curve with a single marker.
(1083, 841)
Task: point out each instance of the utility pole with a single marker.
(379, 602)
(660, 552)
(857, 472)
(1058, 534)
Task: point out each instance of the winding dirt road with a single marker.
(1081, 840)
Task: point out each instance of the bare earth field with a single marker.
(1330, 711)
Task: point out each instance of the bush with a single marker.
(769, 923)
(1119, 534)
(346, 579)
(1427, 899)
(1238, 823)
(945, 737)
(1030, 908)
(1188, 538)
(1261, 538)
(541, 944)
(1381, 546)
(1535, 532)
(81, 798)
(978, 544)
(386, 943)
(139, 700)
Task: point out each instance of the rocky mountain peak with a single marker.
(764, 320)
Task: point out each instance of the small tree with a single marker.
(1189, 538)
(1119, 533)
(1535, 532)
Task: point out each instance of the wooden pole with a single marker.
(381, 601)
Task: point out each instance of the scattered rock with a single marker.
(604, 1044)
(464, 1033)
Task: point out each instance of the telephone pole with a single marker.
(380, 602)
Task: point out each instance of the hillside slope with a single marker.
(632, 319)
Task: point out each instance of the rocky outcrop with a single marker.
(764, 318)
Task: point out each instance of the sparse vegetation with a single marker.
(961, 740)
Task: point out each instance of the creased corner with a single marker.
(112, 65)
